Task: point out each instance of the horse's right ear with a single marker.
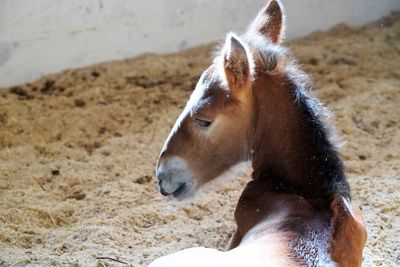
(235, 61)
(270, 22)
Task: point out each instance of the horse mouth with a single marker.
(177, 193)
(181, 188)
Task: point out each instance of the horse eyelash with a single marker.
(202, 123)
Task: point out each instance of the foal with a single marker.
(252, 104)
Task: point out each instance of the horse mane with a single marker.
(321, 120)
(273, 57)
(270, 54)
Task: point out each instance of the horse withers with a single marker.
(253, 104)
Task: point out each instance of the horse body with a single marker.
(253, 104)
(268, 251)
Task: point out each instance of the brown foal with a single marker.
(253, 104)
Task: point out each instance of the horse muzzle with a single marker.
(174, 178)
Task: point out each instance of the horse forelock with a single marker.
(264, 50)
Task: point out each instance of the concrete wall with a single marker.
(44, 36)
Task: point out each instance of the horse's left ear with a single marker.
(236, 62)
(270, 22)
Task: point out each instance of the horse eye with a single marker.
(202, 123)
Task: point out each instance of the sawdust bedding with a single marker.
(78, 151)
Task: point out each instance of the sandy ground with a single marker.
(78, 151)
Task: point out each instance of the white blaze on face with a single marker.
(197, 94)
(173, 171)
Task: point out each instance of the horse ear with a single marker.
(236, 63)
(270, 21)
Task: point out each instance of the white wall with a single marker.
(44, 36)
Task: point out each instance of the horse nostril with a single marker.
(163, 192)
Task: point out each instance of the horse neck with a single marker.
(290, 147)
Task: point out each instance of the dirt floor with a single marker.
(78, 151)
